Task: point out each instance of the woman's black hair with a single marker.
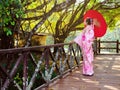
(89, 21)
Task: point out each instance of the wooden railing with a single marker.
(35, 67)
(115, 46)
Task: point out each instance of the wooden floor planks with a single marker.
(106, 76)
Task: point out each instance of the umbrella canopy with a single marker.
(100, 30)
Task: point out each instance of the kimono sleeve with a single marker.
(78, 40)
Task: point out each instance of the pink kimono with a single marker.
(85, 40)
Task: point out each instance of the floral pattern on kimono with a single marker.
(85, 40)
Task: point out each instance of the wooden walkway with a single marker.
(106, 77)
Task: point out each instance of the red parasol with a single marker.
(101, 29)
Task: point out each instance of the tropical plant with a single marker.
(10, 12)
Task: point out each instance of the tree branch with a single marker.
(56, 8)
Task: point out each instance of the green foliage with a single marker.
(18, 79)
(8, 31)
(10, 11)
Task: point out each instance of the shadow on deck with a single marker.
(106, 77)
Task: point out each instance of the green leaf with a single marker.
(8, 12)
(12, 23)
(17, 16)
(9, 33)
(6, 20)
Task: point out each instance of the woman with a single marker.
(85, 40)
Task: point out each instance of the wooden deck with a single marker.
(106, 77)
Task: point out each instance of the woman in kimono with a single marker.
(85, 40)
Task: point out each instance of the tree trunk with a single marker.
(6, 41)
(57, 41)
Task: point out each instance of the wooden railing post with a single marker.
(25, 71)
(99, 46)
(117, 46)
(95, 46)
